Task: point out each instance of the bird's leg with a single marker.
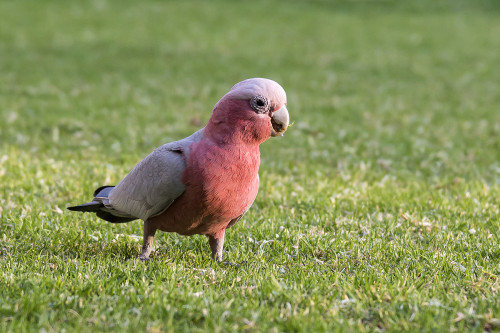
(216, 243)
(147, 240)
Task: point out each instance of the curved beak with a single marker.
(279, 121)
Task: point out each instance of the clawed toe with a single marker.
(143, 258)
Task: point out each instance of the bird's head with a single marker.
(253, 110)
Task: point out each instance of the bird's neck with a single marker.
(230, 124)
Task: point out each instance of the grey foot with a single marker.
(216, 245)
(147, 242)
(143, 258)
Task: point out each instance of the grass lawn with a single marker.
(378, 210)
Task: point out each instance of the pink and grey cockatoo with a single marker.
(202, 184)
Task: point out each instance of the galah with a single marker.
(202, 184)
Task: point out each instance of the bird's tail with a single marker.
(92, 206)
(97, 206)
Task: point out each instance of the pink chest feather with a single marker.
(221, 184)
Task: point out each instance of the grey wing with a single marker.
(152, 185)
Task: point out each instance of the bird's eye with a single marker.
(259, 104)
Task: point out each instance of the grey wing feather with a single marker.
(155, 182)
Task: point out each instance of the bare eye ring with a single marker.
(259, 104)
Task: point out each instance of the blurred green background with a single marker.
(377, 78)
(385, 187)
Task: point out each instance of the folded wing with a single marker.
(154, 183)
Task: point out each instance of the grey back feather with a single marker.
(154, 183)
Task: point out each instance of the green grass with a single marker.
(377, 211)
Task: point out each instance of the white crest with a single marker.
(258, 86)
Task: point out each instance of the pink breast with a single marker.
(221, 184)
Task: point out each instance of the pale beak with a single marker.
(279, 121)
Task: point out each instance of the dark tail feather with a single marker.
(96, 206)
(104, 193)
(112, 218)
(93, 206)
